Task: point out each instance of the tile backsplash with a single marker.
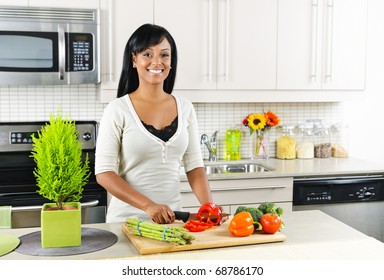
(221, 116)
(35, 103)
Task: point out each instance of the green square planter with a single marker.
(60, 228)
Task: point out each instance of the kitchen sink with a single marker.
(236, 168)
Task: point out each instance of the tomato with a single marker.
(270, 222)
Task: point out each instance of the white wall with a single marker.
(366, 115)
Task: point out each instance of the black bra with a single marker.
(165, 133)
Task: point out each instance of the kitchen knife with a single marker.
(186, 216)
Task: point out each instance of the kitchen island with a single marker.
(311, 235)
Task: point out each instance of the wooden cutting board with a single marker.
(214, 237)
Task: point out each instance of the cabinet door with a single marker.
(85, 4)
(345, 23)
(193, 28)
(23, 3)
(120, 19)
(299, 44)
(321, 44)
(237, 36)
(247, 34)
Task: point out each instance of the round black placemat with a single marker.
(92, 239)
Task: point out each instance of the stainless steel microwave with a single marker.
(49, 46)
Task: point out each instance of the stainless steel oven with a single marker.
(49, 46)
(18, 185)
(355, 200)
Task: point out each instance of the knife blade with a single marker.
(186, 216)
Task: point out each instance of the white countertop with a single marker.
(301, 168)
(310, 235)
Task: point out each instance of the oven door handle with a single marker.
(39, 207)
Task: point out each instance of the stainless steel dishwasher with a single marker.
(357, 201)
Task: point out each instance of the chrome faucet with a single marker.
(211, 145)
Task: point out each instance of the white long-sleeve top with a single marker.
(147, 163)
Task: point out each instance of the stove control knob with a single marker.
(87, 136)
(367, 194)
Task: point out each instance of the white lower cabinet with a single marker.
(231, 194)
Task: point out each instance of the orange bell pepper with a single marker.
(241, 224)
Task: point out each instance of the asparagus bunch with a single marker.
(173, 235)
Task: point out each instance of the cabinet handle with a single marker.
(210, 39)
(226, 60)
(329, 39)
(315, 11)
(243, 188)
(110, 43)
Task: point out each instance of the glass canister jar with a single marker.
(286, 142)
(340, 140)
(322, 134)
(305, 148)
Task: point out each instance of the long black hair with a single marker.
(145, 36)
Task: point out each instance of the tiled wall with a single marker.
(221, 116)
(34, 103)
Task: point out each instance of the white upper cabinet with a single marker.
(83, 4)
(193, 28)
(120, 18)
(14, 3)
(222, 44)
(248, 50)
(321, 44)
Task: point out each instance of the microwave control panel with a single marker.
(80, 52)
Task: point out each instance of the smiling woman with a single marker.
(142, 42)
(153, 64)
(147, 133)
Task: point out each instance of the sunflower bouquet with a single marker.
(259, 124)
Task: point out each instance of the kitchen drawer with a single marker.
(244, 192)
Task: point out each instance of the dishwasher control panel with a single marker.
(307, 192)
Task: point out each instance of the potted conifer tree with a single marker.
(61, 173)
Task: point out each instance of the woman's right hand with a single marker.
(160, 213)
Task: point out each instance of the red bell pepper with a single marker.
(210, 213)
(196, 226)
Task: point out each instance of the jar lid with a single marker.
(321, 129)
(338, 127)
(285, 128)
(305, 129)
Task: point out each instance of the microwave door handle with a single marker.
(61, 52)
